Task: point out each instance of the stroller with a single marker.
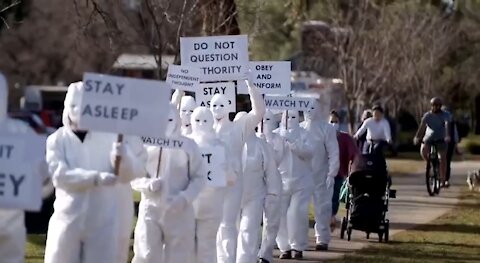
(368, 192)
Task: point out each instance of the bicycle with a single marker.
(432, 172)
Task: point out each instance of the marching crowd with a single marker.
(272, 172)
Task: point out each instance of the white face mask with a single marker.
(3, 97)
(202, 121)
(269, 122)
(187, 106)
(218, 106)
(71, 110)
(172, 121)
(292, 119)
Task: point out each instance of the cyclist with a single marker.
(434, 128)
(378, 131)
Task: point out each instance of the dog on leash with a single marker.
(473, 180)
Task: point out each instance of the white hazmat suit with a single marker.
(166, 223)
(234, 134)
(12, 222)
(85, 224)
(295, 169)
(325, 165)
(272, 205)
(261, 184)
(209, 204)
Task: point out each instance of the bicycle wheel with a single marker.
(436, 173)
(430, 178)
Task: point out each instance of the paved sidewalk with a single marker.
(411, 208)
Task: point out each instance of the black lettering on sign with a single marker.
(108, 112)
(16, 182)
(6, 151)
(98, 86)
(208, 175)
(198, 46)
(224, 45)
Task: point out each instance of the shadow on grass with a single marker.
(452, 228)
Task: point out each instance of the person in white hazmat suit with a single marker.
(272, 204)
(186, 105)
(234, 134)
(295, 170)
(166, 224)
(325, 165)
(12, 222)
(209, 204)
(261, 184)
(85, 224)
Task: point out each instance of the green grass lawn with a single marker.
(454, 237)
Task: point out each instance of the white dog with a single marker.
(473, 180)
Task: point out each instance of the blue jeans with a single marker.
(336, 194)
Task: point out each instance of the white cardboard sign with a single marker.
(270, 77)
(172, 143)
(218, 57)
(214, 160)
(20, 181)
(183, 77)
(207, 90)
(288, 103)
(124, 105)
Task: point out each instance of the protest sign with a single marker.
(207, 90)
(124, 105)
(214, 160)
(218, 57)
(20, 178)
(270, 77)
(288, 103)
(183, 77)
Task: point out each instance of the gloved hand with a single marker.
(176, 204)
(248, 76)
(155, 185)
(118, 149)
(106, 179)
(330, 182)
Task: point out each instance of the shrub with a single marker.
(472, 146)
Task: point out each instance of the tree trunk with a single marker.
(224, 21)
(352, 116)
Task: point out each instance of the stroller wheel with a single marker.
(343, 228)
(368, 235)
(349, 234)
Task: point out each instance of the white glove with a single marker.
(176, 204)
(106, 179)
(248, 76)
(118, 149)
(330, 182)
(155, 185)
